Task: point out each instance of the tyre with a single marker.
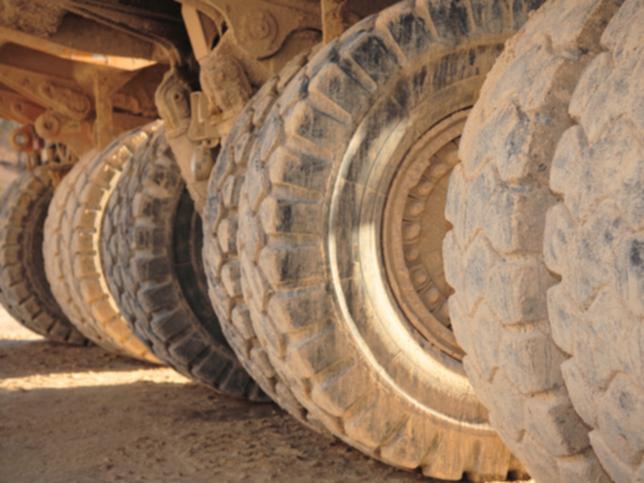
(24, 290)
(552, 343)
(340, 204)
(220, 244)
(57, 223)
(152, 242)
(74, 265)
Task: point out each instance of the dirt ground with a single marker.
(72, 414)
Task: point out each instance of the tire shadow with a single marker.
(165, 431)
(82, 414)
(20, 358)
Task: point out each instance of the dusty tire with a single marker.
(594, 240)
(56, 223)
(309, 232)
(220, 243)
(24, 289)
(152, 242)
(84, 294)
(545, 113)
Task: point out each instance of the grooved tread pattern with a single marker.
(56, 223)
(24, 290)
(282, 234)
(152, 254)
(594, 241)
(497, 202)
(220, 243)
(75, 231)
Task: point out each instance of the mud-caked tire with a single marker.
(152, 243)
(24, 289)
(72, 241)
(310, 234)
(220, 243)
(545, 255)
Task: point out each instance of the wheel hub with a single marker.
(414, 226)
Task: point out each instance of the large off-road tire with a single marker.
(54, 264)
(83, 293)
(24, 290)
(559, 117)
(348, 311)
(594, 240)
(152, 243)
(220, 243)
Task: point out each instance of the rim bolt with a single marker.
(424, 188)
(411, 231)
(433, 296)
(438, 170)
(415, 208)
(412, 254)
(420, 277)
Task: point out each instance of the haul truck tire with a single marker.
(74, 264)
(24, 290)
(152, 242)
(340, 235)
(594, 241)
(220, 243)
(56, 223)
(552, 343)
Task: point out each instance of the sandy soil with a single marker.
(72, 414)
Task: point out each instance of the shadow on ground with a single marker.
(20, 358)
(79, 414)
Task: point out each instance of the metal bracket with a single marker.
(18, 108)
(224, 81)
(206, 127)
(76, 134)
(172, 98)
(261, 27)
(335, 18)
(57, 93)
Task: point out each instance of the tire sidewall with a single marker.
(353, 252)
